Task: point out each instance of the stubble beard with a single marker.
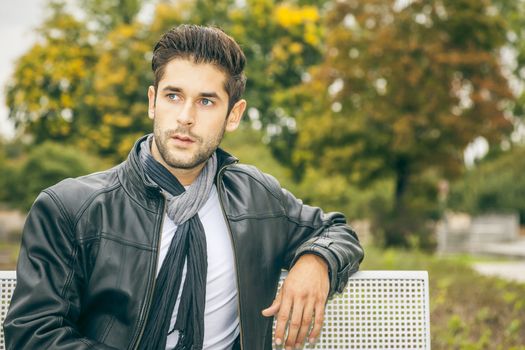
(204, 150)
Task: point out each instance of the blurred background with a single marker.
(405, 115)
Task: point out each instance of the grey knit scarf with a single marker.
(188, 244)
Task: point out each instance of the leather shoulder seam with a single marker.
(90, 199)
(302, 223)
(61, 207)
(242, 168)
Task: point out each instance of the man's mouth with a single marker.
(183, 138)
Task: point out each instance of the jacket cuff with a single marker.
(319, 247)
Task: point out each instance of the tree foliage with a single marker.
(366, 104)
(494, 185)
(46, 94)
(106, 15)
(118, 99)
(513, 11)
(402, 91)
(92, 88)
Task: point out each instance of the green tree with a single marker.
(403, 89)
(514, 13)
(281, 40)
(46, 93)
(493, 185)
(92, 88)
(119, 93)
(106, 15)
(72, 87)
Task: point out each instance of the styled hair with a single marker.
(202, 45)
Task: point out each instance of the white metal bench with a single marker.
(378, 310)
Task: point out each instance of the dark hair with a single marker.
(202, 45)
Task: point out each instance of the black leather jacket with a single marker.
(86, 270)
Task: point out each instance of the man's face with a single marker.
(189, 113)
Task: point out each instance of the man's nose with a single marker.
(186, 115)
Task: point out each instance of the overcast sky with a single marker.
(18, 18)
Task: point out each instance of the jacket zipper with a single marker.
(145, 310)
(219, 177)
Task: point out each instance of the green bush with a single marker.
(494, 185)
(44, 165)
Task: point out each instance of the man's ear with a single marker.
(151, 102)
(235, 116)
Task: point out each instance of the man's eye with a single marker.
(173, 97)
(206, 102)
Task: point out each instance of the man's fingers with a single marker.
(282, 319)
(303, 295)
(318, 322)
(295, 323)
(274, 308)
(305, 324)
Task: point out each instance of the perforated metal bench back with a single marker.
(378, 310)
(7, 283)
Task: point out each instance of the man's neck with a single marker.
(185, 176)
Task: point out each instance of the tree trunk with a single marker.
(396, 230)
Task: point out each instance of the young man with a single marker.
(178, 247)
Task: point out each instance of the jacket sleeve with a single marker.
(46, 302)
(311, 231)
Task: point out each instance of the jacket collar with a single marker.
(224, 159)
(131, 175)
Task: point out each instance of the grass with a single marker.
(467, 311)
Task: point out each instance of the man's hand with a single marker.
(302, 298)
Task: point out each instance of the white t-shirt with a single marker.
(221, 319)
